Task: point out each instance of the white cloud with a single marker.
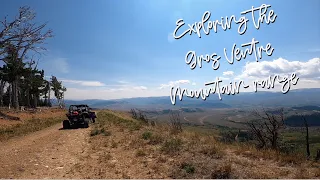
(140, 88)
(123, 82)
(193, 84)
(228, 73)
(174, 83)
(224, 78)
(113, 93)
(84, 83)
(309, 69)
(308, 72)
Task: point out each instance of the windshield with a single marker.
(78, 108)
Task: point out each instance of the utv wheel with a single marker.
(66, 124)
(86, 122)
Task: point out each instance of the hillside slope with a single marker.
(121, 147)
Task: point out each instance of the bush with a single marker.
(224, 172)
(94, 132)
(156, 139)
(171, 146)
(188, 168)
(97, 131)
(146, 135)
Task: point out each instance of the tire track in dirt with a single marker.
(49, 153)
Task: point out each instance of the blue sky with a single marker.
(116, 49)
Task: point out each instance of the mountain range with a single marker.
(300, 97)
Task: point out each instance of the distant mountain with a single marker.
(294, 98)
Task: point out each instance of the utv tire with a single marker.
(66, 124)
(86, 123)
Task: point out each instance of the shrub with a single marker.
(146, 135)
(156, 139)
(189, 168)
(171, 146)
(224, 172)
(94, 132)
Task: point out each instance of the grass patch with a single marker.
(27, 127)
(108, 117)
(212, 151)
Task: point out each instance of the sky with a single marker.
(107, 49)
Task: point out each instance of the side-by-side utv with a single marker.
(79, 116)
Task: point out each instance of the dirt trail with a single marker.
(49, 153)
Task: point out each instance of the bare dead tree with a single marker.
(175, 121)
(139, 115)
(267, 127)
(142, 116)
(134, 114)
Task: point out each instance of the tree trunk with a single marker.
(49, 100)
(28, 98)
(1, 92)
(15, 94)
(307, 138)
(318, 155)
(35, 101)
(10, 95)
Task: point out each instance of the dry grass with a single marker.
(267, 154)
(31, 122)
(142, 151)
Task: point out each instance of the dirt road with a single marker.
(49, 153)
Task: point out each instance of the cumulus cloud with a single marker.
(309, 69)
(174, 83)
(228, 73)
